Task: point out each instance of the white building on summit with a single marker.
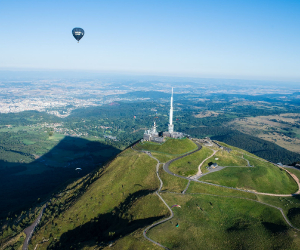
(153, 135)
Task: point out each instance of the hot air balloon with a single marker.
(78, 33)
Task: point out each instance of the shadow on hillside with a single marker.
(105, 228)
(22, 184)
(294, 214)
(275, 228)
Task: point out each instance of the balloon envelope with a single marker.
(78, 33)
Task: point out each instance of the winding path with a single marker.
(199, 173)
(167, 164)
(166, 169)
(242, 198)
(164, 220)
(187, 186)
(29, 230)
(195, 178)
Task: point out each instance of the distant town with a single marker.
(60, 97)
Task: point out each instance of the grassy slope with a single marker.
(170, 183)
(188, 165)
(15, 242)
(290, 206)
(294, 171)
(237, 149)
(121, 195)
(241, 224)
(196, 187)
(229, 223)
(264, 177)
(207, 222)
(234, 158)
(171, 146)
(162, 157)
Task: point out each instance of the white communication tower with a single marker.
(171, 126)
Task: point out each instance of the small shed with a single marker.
(214, 165)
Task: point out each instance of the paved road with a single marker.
(187, 186)
(293, 176)
(157, 223)
(159, 190)
(199, 173)
(29, 230)
(282, 167)
(242, 198)
(166, 165)
(248, 163)
(166, 169)
(293, 167)
(171, 212)
(218, 168)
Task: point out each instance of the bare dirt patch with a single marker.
(206, 114)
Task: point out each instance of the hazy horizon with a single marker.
(44, 74)
(238, 40)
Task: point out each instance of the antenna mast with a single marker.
(171, 126)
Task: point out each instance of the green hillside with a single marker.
(263, 177)
(208, 222)
(188, 165)
(119, 203)
(170, 183)
(110, 208)
(171, 146)
(290, 206)
(224, 158)
(163, 157)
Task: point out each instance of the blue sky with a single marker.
(232, 39)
